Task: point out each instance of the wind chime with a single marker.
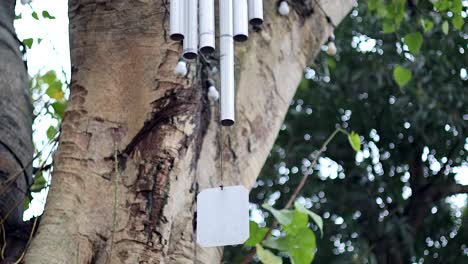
(193, 22)
(222, 213)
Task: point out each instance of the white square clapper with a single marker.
(223, 216)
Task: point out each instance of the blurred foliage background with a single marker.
(399, 79)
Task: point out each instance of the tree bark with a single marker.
(138, 143)
(16, 148)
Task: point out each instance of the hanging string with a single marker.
(221, 150)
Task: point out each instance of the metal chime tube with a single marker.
(226, 62)
(177, 19)
(191, 29)
(255, 12)
(241, 20)
(207, 26)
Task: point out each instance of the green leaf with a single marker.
(283, 216)
(381, 9)
(441, 5)
(302, 247)
(301, 256)
(427, 24)
(388, 26)
(445, 27)
(39, 183)
(49, 77)
(401, 75)
(315, 217)
(55, 91)
(414, 42)
(378, 6)
(26, 202)
(59, 108)
(51, 132)
(457, 22)
(45, 14)
(396, 13)
(267, 257)
(28, 42)
(372, 5)
(281, 244)
(34, 15)
(299, 221)
(354, 141)
(256, 234)
(331, 63)
(456, 7)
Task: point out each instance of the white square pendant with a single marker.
(223, 216)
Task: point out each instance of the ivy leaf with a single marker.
(401, 76)
(28, 42)
(256, 234)
(45, 14)
(34, 15)
(39, 183)
(59, 108)
(354, 141)
(266, 256)
(315, 217)
(458, 22)
(283, 216)
(427, 25)
(414, 42)
(445, 27)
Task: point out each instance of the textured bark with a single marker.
(16, 148)
(133, 128)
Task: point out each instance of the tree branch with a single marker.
(299, 187)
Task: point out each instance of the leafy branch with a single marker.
(299, 241)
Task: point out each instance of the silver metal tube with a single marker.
(256, 12)
(241, 20)
(191, 29)
(207, 26)
(177, 20)
(226, 63)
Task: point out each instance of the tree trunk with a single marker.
(16, 148)
(138, 143)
